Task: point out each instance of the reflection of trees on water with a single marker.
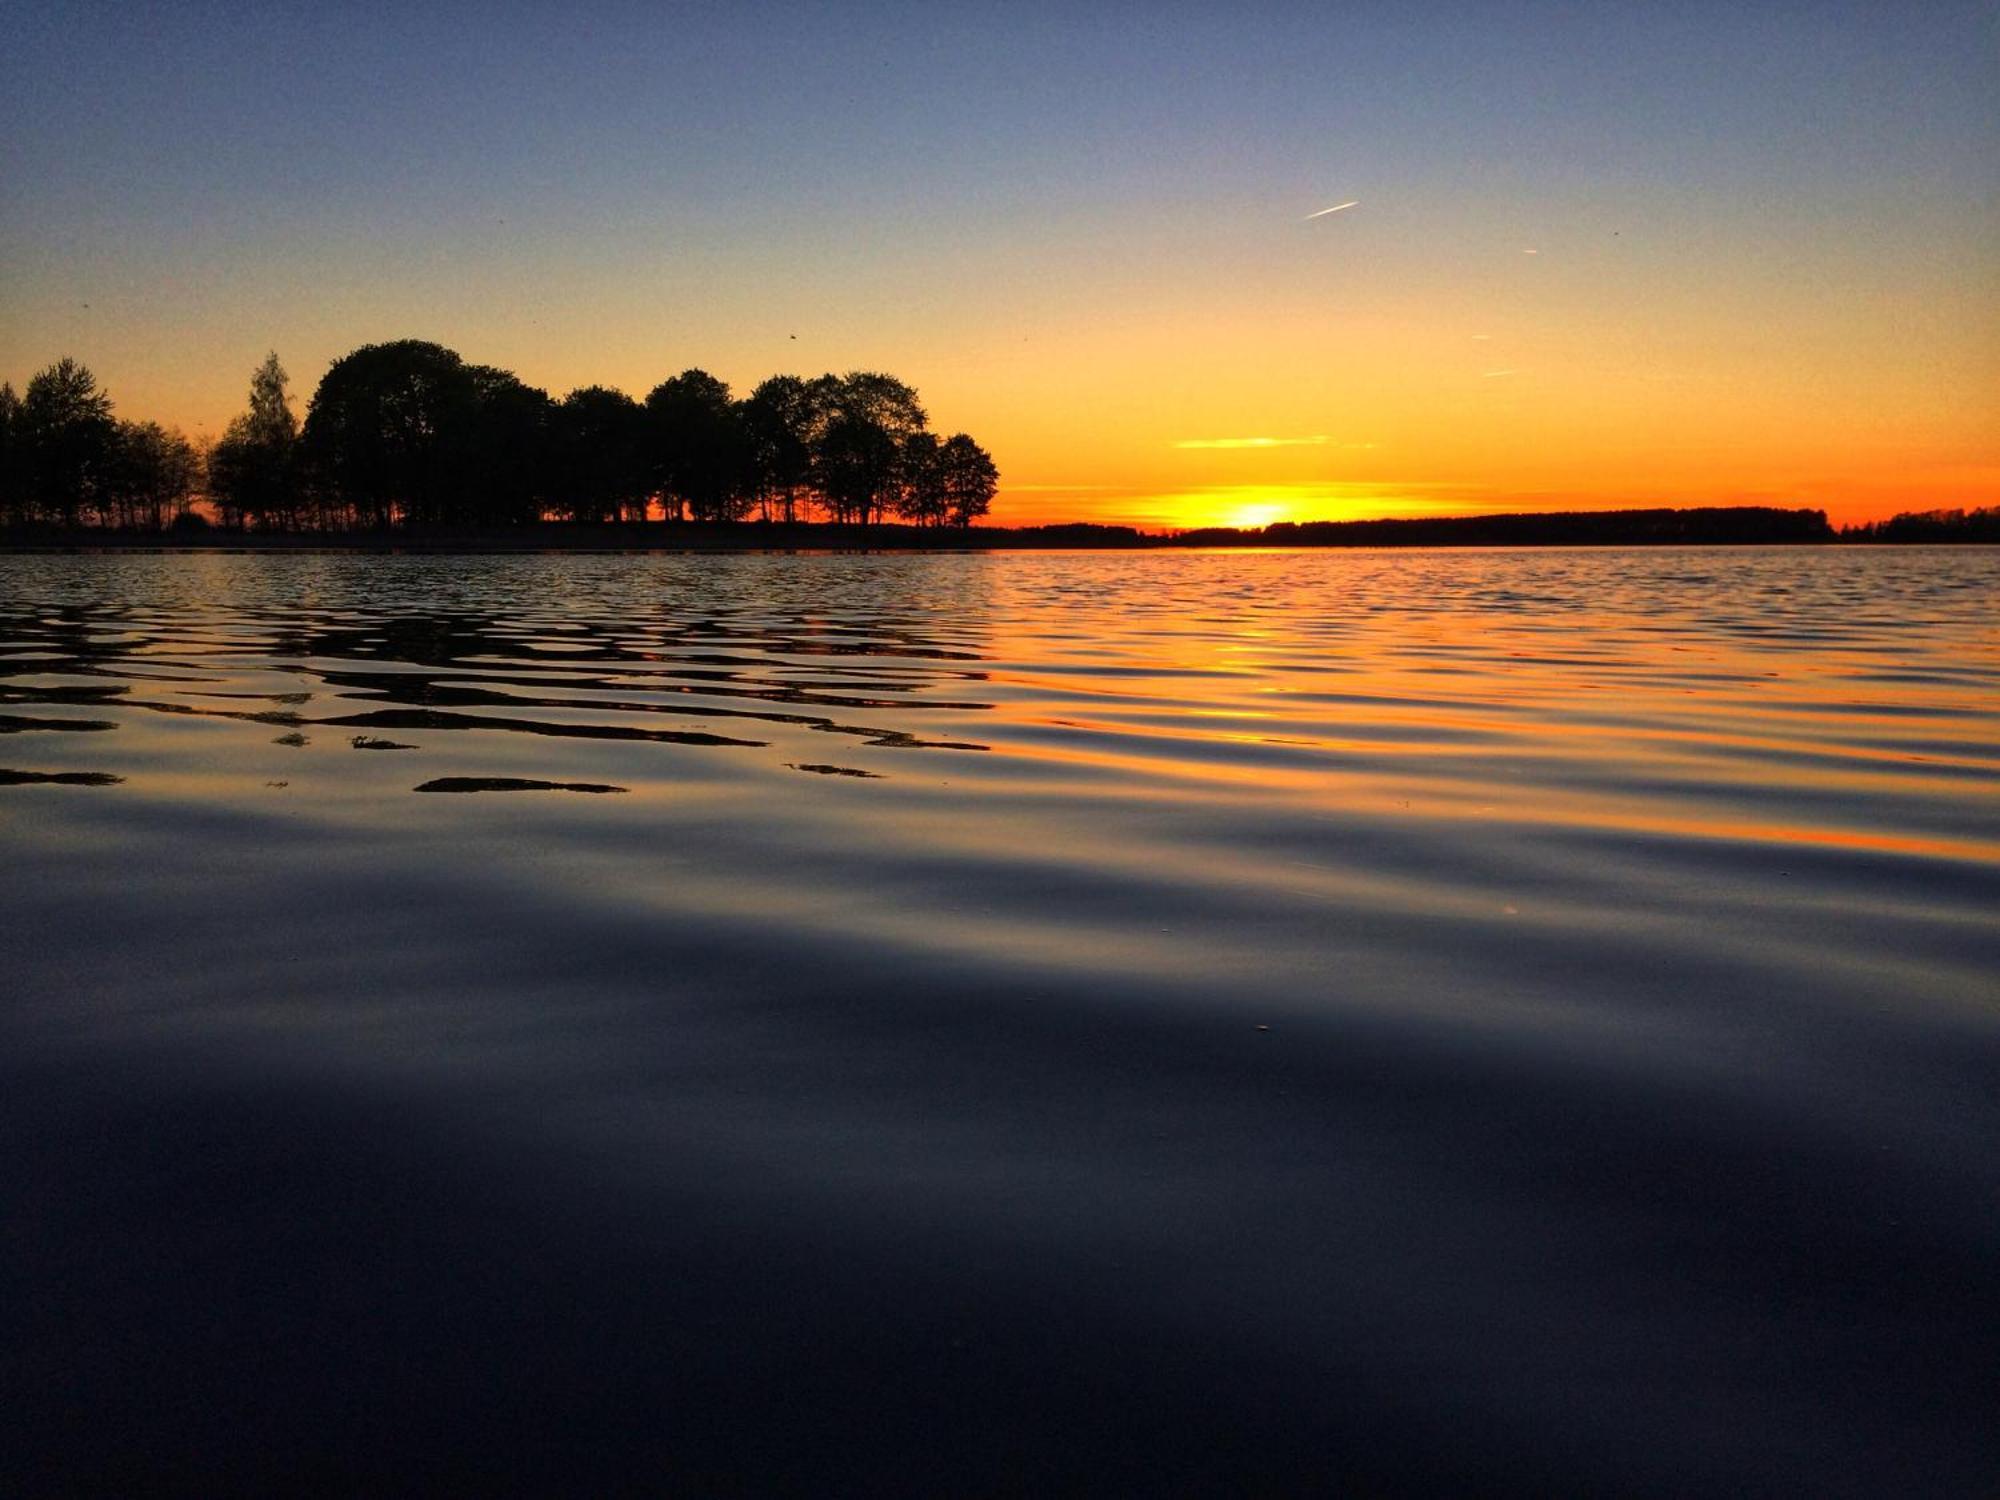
(632, 679)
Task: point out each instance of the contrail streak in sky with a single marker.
(1334, 210)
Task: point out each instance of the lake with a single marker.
(1292, 1022)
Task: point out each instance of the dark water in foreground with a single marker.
(1246, 1023)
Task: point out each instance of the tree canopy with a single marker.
(66, 440)
(698, 448)
(407, 433)
(253, 470)
(599, 455)
(391, 430)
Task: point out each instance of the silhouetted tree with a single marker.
(856, 467)
(66, 436)
(407, 432)
(389, 429)
(152, 475)
(782, 421)
(254, 468)
(882, 399)
(13, 494)
(600, 455)
(1957, 525)
(510, 471)
(857, 461)
(1702, 526)
(921, 495)
(967, 479)
(699, 449)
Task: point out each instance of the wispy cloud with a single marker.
(1318, 440)
(1496, 374)
(1322, 213)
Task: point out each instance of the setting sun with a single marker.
(1250, 516)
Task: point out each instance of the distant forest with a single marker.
(1982, 525)
(406, 438)
(1706, 526)
(408, 435)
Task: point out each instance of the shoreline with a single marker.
(646, 536)
(1733, 526)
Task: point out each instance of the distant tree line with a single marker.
(409, 434)
(65, 460)
(1982, 525)
(1699, 526)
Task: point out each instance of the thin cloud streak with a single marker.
(1317, 441)
(1350, 203)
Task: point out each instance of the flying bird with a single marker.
(1334, 210)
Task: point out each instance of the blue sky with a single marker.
(614, 193)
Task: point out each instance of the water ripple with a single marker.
(1418, 1022)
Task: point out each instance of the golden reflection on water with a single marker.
(1819, 696)
(1192, 764)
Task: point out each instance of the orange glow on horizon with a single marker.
(1152, 400)
(1717, 271)
(1254, 506)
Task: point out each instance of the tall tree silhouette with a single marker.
(13, 492)
(151, 477)
(253, 472)
(66, 437)
(510, 470)
(600, 455)
(856, 467)
(388, 427)
(968, 479)
(699, 448)
(858, 460)
(921, 496)
(782, 421)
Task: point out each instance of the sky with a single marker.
(1598, 255)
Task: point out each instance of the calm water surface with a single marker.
(1246, 1023)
